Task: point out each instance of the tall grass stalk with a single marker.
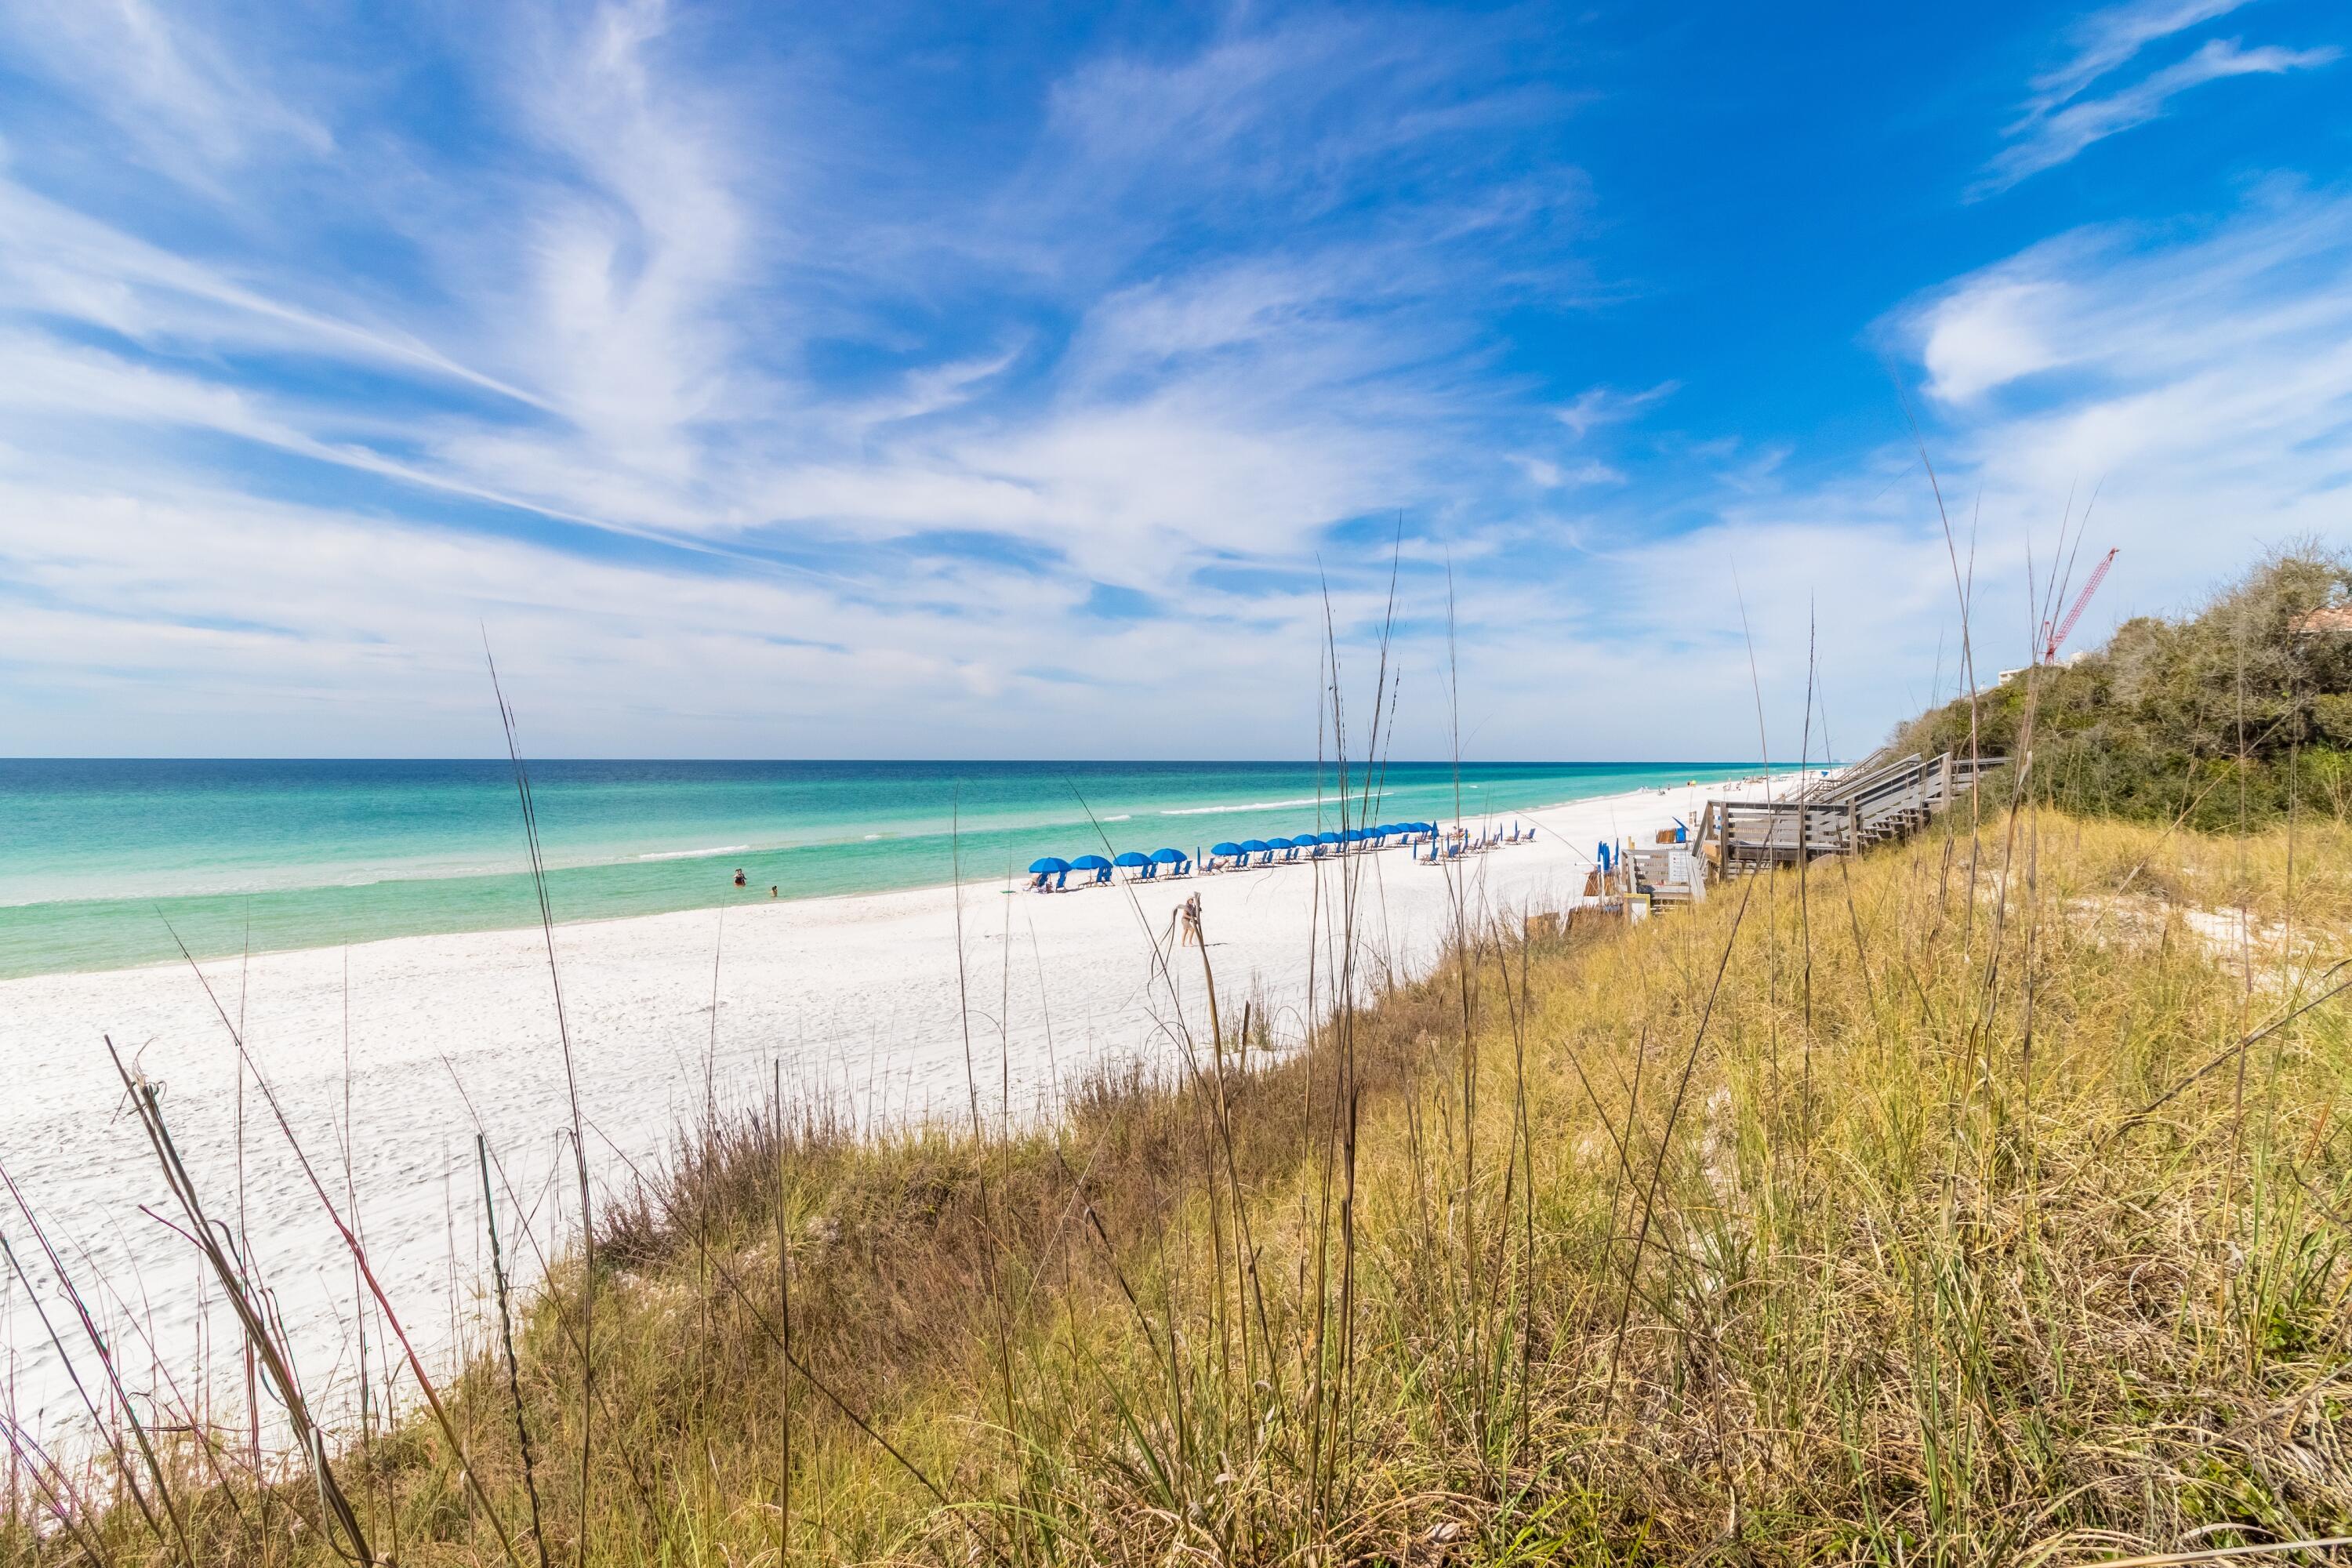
(571, 1095)
(2107, 1348)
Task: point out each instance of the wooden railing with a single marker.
(1876, 804)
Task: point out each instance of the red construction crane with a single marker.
(2052, 638)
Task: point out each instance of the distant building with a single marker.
(2079, 655)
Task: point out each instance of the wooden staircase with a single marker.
(1878, 802)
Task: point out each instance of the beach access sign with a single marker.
(1685, 869)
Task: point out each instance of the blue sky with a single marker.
(887, 381)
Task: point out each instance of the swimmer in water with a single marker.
(738, 877)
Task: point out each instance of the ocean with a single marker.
(108, 864)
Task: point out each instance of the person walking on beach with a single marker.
(1188, 915)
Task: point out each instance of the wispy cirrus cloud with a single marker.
(2110, 38)
(2056, 133)
(2059, 123)
(874, 380)
(637, 326)
(2200, 384)
(182, 98)
(1598, 406)
(2091, 312)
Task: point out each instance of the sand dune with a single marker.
(857, 997)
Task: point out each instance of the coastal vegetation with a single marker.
(2237, 714)
(1983, 1199)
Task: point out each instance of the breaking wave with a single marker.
(1253, 805)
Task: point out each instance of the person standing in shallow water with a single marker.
(738, 877)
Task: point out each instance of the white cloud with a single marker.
(2118, 307)
(606, 313)
(2203, 387)
(1599, 406)
(1551, 476)
(2045, 141)
(189, 105)
(1988, 334)
(2110, 38)
(62, 263)
(623, 325)
(2200, 383)
(1163, 351)
(2058, 122)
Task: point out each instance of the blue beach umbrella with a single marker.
(1278, 843)
(1254, 846)
(1327, 839)
(1168, 856)
(1089, 863)
(1047, 866)
(1131, 859)
(1227, 847)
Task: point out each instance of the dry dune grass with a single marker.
(1925, 1209)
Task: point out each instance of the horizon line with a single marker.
(949, 761)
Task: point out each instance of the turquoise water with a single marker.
(101, 860)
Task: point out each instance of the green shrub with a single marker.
(2241, 712)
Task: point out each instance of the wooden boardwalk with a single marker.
(1876, 804)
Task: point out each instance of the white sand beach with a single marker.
(862, 1000)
